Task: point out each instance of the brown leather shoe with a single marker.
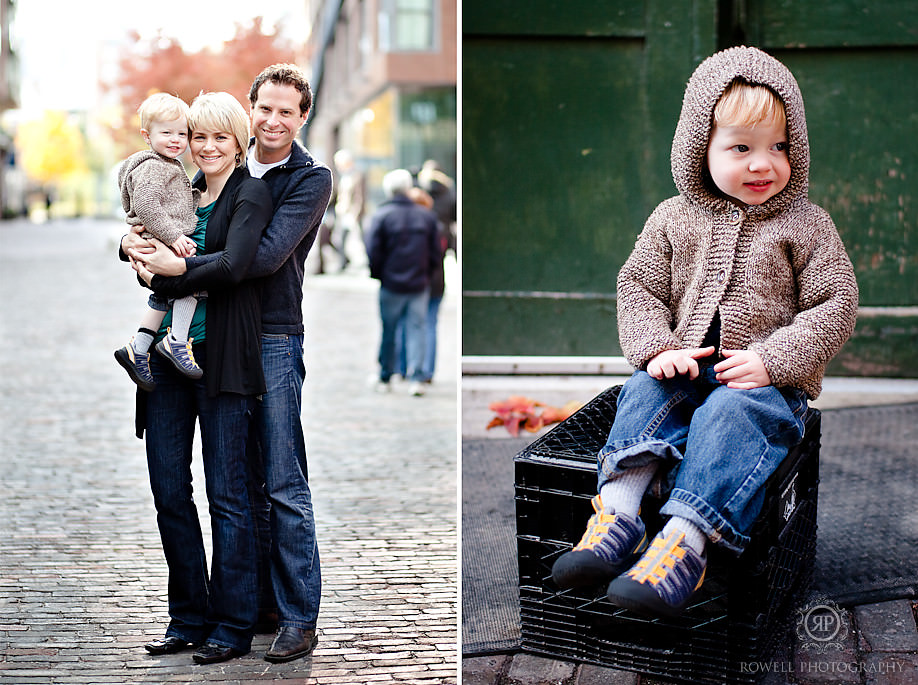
(291, 643)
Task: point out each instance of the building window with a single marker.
(411, 23)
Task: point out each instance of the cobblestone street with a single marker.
(82, 576)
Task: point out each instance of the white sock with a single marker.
(625, 491)
(141, 342)
(694, 537)
(182, 313)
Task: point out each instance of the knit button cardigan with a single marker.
(777, 272)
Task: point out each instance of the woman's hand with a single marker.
(145, 274)
(672, 363)
(162, 261)
(742, 370)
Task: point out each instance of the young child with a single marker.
(737, 294)
(156, 194)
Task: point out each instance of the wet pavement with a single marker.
(82, 577)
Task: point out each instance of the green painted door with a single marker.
(568, 111)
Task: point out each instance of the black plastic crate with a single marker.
(740, 614)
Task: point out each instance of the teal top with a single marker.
(197, 330)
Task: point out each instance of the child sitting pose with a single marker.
(737, 294)
(156, 194)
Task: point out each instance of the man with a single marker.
(403, 251)
(280, 100)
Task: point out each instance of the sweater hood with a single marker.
(690, 143)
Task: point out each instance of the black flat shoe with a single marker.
(167, 645)
(291, 643)
(210, 653)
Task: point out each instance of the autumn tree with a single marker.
(52, 148)
(161, 64)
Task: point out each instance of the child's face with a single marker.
(749, 165)
(168, 138)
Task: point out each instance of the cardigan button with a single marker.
(735, 216)
(721, 276)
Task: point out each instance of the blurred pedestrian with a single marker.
(215, 612)
(403, 253)
(349, 204)
(437, 288)
(289, 573)
(442, 189)
(156, 194)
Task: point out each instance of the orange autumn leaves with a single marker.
(521, 412)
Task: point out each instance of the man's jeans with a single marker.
(721, 443)
(285, 523)
(223, 609)
(413, 307)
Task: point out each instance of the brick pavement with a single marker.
(82, 579)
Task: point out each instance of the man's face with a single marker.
(276, 119)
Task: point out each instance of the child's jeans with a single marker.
(722, 445)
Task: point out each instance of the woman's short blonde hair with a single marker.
(221, 112)
(746, 104)
(161, 107)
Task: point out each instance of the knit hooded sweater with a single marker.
(777, 273)
(156, 193)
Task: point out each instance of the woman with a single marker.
(216, 615)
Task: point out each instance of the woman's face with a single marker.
(214, 152)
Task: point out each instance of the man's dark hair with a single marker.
(284, 75)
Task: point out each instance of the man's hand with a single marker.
(161, 261)
(672, 363)
(184, 246)
(133, 241)
(742, 370)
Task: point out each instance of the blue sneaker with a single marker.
(663, 581)
(137, 364)
(179, 353)
(610, 543)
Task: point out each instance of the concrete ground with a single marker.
(82, 575)
(882, 646)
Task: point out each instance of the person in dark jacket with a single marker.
(403, 253)
(214, 613)
(289, 573)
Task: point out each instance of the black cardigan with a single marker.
(233, 322)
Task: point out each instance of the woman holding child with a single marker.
(216, 614)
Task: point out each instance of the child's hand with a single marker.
(671, 363)
(184, 246)
(743, 370)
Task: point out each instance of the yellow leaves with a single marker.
(51, 148)
(522, 412)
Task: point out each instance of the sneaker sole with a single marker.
(132, 372)
(164, 353)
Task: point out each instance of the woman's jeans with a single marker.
(221, 609)
(286, 529)
(721, 443)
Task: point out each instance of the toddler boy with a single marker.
(156, 193)
(737, 294)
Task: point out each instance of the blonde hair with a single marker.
(747, 105)
(221, 112)
(161, 107)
